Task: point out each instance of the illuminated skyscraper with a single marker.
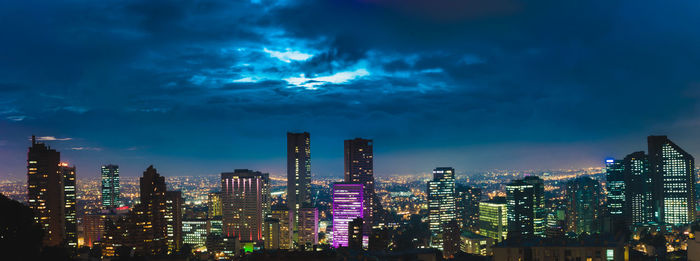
(243, 203)
(285, 219)
(151, 214)
(194, 233)
(173, 217)
(359, 168)
(615, 182)
(45, 191)
(308, 227)
(271, 233)
(441, 204)
(639, 201)
(493, 218)
(214, 205)
(69, 208)
(583, 196)
(520, 198)
(347, 205)
(672, 172)
(110, 187)
(539, 221)
(467, 201)
(298, 176)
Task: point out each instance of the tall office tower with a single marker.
(639, 201)
(93, 228)
(451, 240)
(284, 216)
(194, 233)
(539, 220)
(441, 203)
(672, 172)
(493, 218)
(173, 217)
(467, 201)
(308, 227)
(151, 213)
(271, 233)
(583, 196)
(45, 191)
(615, 182)
(355, 233)
(298, 177)
(359, 168)
(347, 205)
(556, 223)
(214, 205)
(71, 221)
(521, 203)
(242, 200)
(110, 187)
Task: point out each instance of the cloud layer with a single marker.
(219, 82)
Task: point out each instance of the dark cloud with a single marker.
(196, 80)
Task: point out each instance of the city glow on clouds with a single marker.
(245, 80)
(288, 55)
(52, 138)
(337, 78)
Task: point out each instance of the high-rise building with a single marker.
(450, 238)
(45, 191)
(69, 208)
(173, 217)
(441, 203)
(355, 233)
(639, 201)
(672, 172)
(520, 198)
(151, 231)
(283, 214)
(615, 183)
(194, 233)
(308, 227)
(359, 168)
(583, 200)
(493, 218)
(214, 205)
(467, 201)
(93, 228)
(298, 177)
(271, 233)
(556, 223)
(539, 220)
(347, 205)
(242, 200)
(110, 187)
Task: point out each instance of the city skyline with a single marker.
(187, 86)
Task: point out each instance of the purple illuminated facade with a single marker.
(347, 205)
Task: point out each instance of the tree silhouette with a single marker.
(19, 233)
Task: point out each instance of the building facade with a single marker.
(69, 208)
(441, 204)
(520, 198)
(493, 218)
(347, 205)
(583, 200)
(673, 176)
(242, 200)
(110, 187)
(298, 177)
(45, 191)
(359, 168)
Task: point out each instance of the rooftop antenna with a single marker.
(33, 139)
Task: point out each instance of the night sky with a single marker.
(201, 87)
